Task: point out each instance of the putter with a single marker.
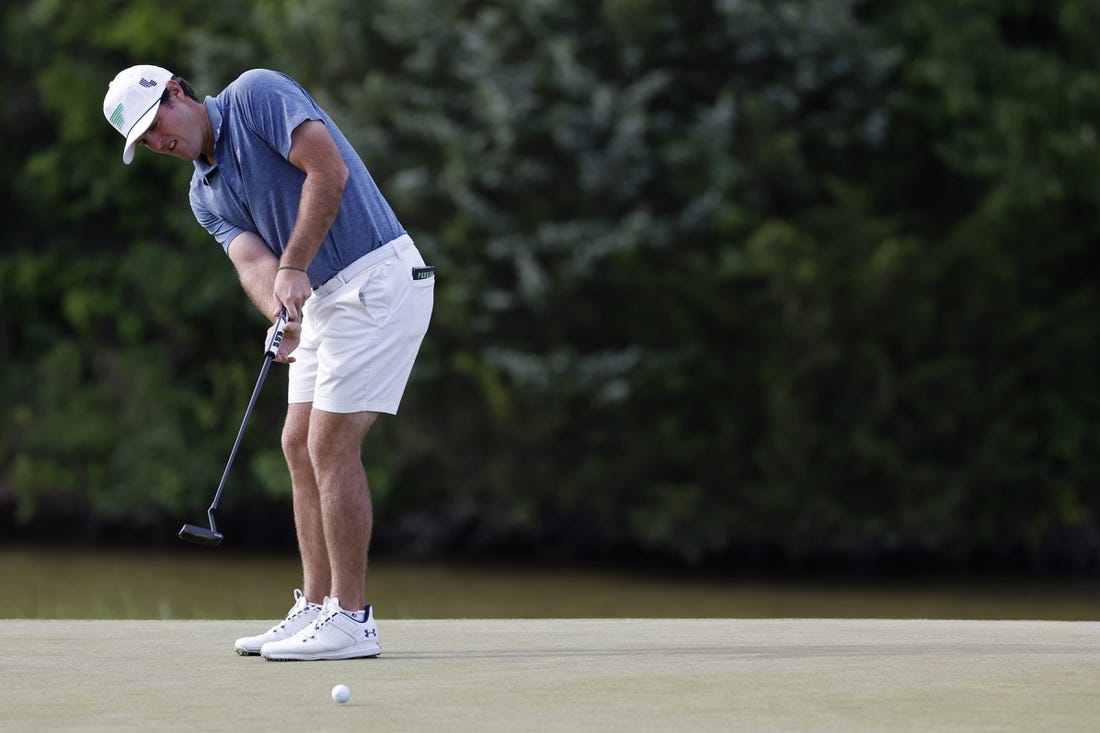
(211, 537)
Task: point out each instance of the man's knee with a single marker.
(335, 436)
(295, 438)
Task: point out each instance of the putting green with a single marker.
(561, 675)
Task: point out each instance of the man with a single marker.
(295, 209)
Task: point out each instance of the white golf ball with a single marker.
(341, 693)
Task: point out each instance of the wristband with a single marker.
(290, 267)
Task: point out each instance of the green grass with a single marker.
(553, 675)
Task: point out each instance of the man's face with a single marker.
(176, 130)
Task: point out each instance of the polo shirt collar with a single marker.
(213, 109)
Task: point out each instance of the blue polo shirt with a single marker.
(253, 187)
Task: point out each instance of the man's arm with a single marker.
(313, 150)
(256, 266)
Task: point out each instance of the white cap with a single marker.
(132, 101)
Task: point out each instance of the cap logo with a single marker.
(147, 83)
(116, 117)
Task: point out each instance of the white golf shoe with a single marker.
(300, 615)
(333, 635)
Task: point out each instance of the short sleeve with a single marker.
(219, 228)
(275, 106)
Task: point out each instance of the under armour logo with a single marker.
(147, 83)
(368, 633)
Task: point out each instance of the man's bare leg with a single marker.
(316, 573)
(335, 451)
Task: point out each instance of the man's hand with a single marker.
(292, 336)
(292, 289)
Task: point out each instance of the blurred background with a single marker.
(733, 296)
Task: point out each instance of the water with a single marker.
(200, 583)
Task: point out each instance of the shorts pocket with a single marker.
(376, 293)
(420, 302)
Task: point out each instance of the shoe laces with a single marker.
(301, 605)
(330, 609)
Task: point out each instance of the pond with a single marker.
(201, 583)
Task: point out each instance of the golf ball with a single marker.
(341, 693)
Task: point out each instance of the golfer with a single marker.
(282, 190)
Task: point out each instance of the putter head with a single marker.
(201, 535)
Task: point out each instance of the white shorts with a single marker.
(361, 332)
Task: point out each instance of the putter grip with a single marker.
(277, 337)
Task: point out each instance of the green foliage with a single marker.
(813, 275)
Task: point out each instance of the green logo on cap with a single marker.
(116, 117)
